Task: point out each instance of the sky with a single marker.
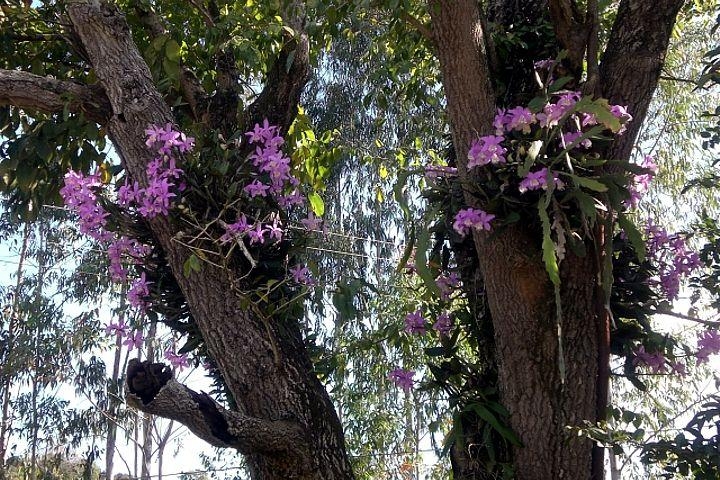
(174, 461)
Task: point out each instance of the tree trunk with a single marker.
(542, 402)
(113, 404)
(8, 369)
(148, 421)
(161, 444)
(37, 311)
(265, 365)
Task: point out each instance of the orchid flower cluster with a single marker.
(417, 324)
(675, 262)
(402, 378)
(82, 195)
(641, 183)
(447, 284)
(657, 362)
(542, 150)
(708, 343)
(162, 174)
(273, 179)
(672, 257)
(540, 155)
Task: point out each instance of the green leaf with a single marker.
(589, 183)
(633, 234)
(587, 205)
(25, 176)
(435, 351)
(221, 167)
(537, 104)
(383, 171)
(399, 192)
(505, 431)
(548, 247)
(172, 69)
(589, 162)
(192, 343)
(559, 83)
(192, 264)
(105, 173)
(8, 164)
(157, 44)
(423, 245)
(317, 204)
(408, 249)
(593, 132)
(512, 217)
(172, 51)
(344, 302)
(601, 109)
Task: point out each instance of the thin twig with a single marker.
(421, 27)
(673, 78)
(209, 22)
(701, 321)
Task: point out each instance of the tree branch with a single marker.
(209, 22)
(192, 92)
(571, 31)
(285, 81)
(633, 61)
(460, 47)
(50, 95)
(673, 78)
(707, 323)
(419, 26)
(151, 388)
(592, 21)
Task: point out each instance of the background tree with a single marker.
(44, 351)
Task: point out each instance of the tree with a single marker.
(281, 416)
(43, 350)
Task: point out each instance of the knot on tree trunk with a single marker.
(151, 388)
(145, 379)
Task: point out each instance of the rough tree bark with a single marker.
(520, 296)
(285, 424)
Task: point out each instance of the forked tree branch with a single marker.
(151, 388)
(286, 79)
(50, 95)
(632, 63)
(571, 30)
(190, 88)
